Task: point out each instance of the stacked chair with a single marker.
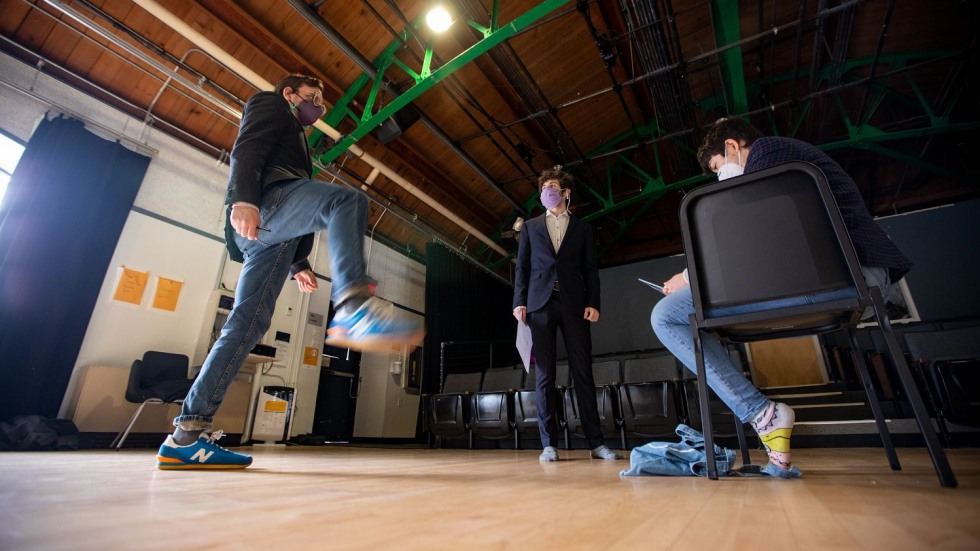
(492, 408)
(950, 363)
(648, 397)
(448, 413)
(526, 408)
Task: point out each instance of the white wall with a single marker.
(176, 231)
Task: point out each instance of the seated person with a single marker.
(730, 148)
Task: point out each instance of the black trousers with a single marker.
(577, 333)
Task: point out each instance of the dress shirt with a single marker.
(557, 224)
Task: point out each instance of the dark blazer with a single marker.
(271, 147)
(871, 243)
(575, 267)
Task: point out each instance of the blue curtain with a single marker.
(59, 224)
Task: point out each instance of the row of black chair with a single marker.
(949, 361)
(636, 397)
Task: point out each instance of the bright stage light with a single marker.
(438, 19)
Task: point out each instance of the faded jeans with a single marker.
(288, 212)
(671, 323)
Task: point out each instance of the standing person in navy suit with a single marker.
(557, 287)
(733, 147)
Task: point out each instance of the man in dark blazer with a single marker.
(733, 147)
(274, 207)
(557, 287)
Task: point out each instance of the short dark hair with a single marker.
(296, 80)
(555, 173)
(727, 128)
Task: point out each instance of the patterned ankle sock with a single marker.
(186, 437)
(774, 427)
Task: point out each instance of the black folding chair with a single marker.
(448, 413)
(493, 407)
(157, 378)
(774, 234)
(526, 407)
(649, 397)
(950, 363)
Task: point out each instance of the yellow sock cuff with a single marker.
(777, 440)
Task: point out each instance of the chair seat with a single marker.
(786, 302)
(812, 316)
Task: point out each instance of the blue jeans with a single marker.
(671, 323)
(288, 211)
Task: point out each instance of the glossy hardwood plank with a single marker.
(384, 498)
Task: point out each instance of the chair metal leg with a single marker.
(865, 378)
(117, 442)
(703, 398)
(742, 442)
(940, 462)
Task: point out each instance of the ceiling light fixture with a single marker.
(438, 19)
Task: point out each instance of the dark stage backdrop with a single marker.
(463, 303)
(60, 221)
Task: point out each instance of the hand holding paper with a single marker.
(524, 344)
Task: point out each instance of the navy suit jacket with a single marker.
(575, 267)
(872, 245)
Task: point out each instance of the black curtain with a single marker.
(463, 303)
(59, 224)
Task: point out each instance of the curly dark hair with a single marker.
(555, 173)
(727, 128)
(296, 80)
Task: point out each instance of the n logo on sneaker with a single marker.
(202, 456)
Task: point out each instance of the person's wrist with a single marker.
(244, 204)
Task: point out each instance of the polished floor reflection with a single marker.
(398, 498)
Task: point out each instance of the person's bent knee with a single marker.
(662, 313)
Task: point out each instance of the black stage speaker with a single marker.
(394, 125)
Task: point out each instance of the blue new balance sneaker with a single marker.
(203, 454)
(374, 327)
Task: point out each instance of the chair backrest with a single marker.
(462, 382)
(502, 379)
(158, 375)
(949, 344)
(659, 368)
(563, 377)
(768, 235)
(530, 378)
(607, 373)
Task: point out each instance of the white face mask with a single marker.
(730, 170)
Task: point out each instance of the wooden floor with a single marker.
(383, 498)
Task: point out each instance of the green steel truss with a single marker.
(424, 79)
(734, 99)
(860, 135)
